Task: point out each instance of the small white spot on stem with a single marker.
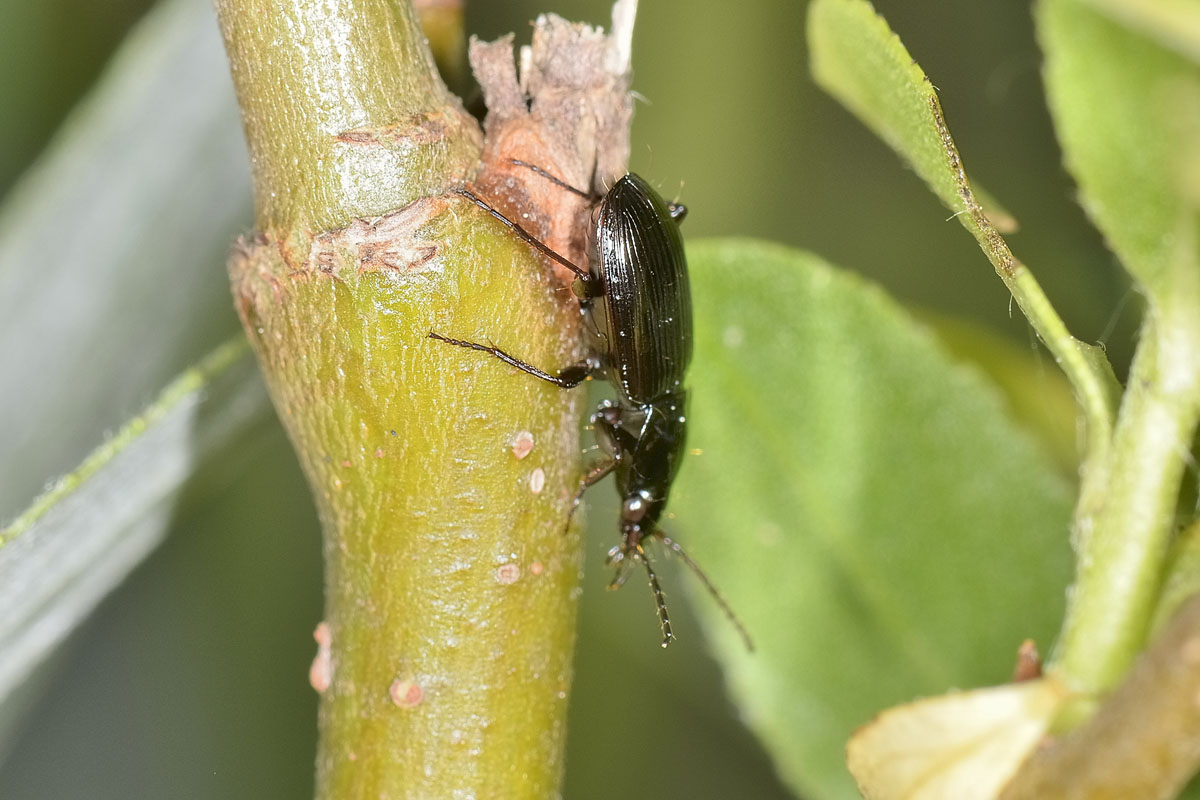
(405, 693)
(320, 674)
(508, 573)
(522, 444)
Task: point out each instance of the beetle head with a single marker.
(640, 511)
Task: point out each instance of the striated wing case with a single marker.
(649, 304)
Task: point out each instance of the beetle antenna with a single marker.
(675, 547)
(525, 235)
(553, 179)
(660, 600)
(623, 559)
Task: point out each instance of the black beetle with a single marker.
(636, 291)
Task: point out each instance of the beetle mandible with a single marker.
(637, 294)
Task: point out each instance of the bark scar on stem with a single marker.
(568, 111)
(395, 242)
(426, 128)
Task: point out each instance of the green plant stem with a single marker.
(1085, 365)
(1182, 579)
(1126, 513)
(451, 587)
(1124, 110)
(343, 110)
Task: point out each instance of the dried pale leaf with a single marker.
(962, 746)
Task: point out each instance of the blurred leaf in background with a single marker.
(868, 504)
(50, 54)
(111, 283)
(191, 679)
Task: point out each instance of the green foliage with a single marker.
(1127, 112)
(857, 59)
(1171, 23)
(109, 291)
(1128, 115)
(865, 502)
(85, 533)
(863, 499)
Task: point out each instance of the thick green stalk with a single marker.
(344, 112)
(442, 477)
(450, 585)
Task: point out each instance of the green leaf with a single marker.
(35, 100)
(858, 60)
(1038, 396)
(112, 282)
(91, 527)
(1119, 102)
(866, 505)
(112, 248)
(1173, 23)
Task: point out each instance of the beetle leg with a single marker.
(613, 441)
(623, 559)
(592, 476)
(616, 558)
(567, 378)
(529, 238)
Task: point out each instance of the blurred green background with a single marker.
(191, 680)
